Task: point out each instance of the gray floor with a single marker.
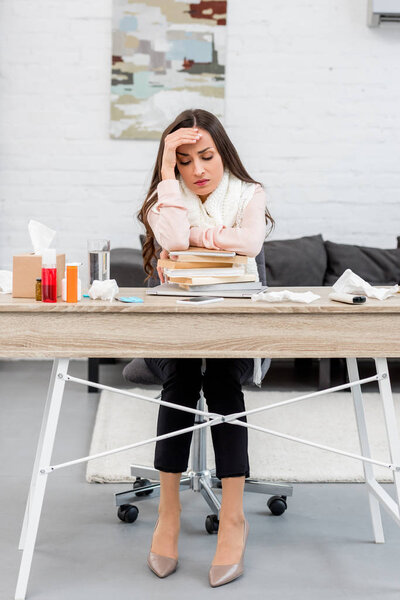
(320, 548)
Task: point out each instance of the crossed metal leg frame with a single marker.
(199, 476)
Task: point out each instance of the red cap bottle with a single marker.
(49, 275)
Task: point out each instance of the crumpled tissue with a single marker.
(306, 297)
(41, 236)
(5, 282)
(106, 290)
(350, 283)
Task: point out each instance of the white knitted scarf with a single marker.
(224, 206)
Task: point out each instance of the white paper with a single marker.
(5, 282)
(350, 283)
(41, 236)
(106, 290)
(306, 297)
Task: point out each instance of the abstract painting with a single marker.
(168, 55)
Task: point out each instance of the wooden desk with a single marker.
(233, 328)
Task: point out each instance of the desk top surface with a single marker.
(168, 304)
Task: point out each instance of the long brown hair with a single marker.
(230, 159)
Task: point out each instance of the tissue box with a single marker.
(26, 267)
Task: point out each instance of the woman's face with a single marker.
(200, 165)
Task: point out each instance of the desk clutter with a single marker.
(45, 276)
(347, 289)
(199, 269)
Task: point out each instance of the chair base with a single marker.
(203, 482)
(198, 479)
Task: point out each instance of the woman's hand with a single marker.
(163, 254)
(196, 237)
(184, 135)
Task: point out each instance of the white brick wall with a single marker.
(312, 104)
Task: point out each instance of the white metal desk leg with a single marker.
(39, 480)
(38, 451)
(390, 420)
(352, 370)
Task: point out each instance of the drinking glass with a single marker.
(99, 260)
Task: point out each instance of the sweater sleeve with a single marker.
(168, 217)
(247, 239)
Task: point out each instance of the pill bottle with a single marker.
(71, 290)
(38, 289)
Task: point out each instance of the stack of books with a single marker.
(199, 269)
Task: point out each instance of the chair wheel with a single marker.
(277, 504)
(212, 523)
(128, 513)
(138, 483)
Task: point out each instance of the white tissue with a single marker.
(41, 236)
(306, 297)
(106, 290)
(350, 283)
(5, 282)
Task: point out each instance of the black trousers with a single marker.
(182, 381)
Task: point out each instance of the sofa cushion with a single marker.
(296, 262)
(376, 265)
(126, 267)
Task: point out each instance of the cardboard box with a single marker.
(26, 267)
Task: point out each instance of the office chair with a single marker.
(198, 478)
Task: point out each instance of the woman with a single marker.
(201, 195)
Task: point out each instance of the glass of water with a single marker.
(99, 260)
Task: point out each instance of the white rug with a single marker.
(327, 419)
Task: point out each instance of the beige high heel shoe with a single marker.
(159, 564)
(221, 574)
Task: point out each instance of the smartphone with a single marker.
(199, 300)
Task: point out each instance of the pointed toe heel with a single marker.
(221, 574)
(161, 565)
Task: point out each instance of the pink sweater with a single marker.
(169, 222)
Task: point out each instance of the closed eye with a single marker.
(204, 158)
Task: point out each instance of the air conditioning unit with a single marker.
(383, 10)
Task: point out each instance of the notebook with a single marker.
(172, 289)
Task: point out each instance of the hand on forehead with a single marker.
(204, 142)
